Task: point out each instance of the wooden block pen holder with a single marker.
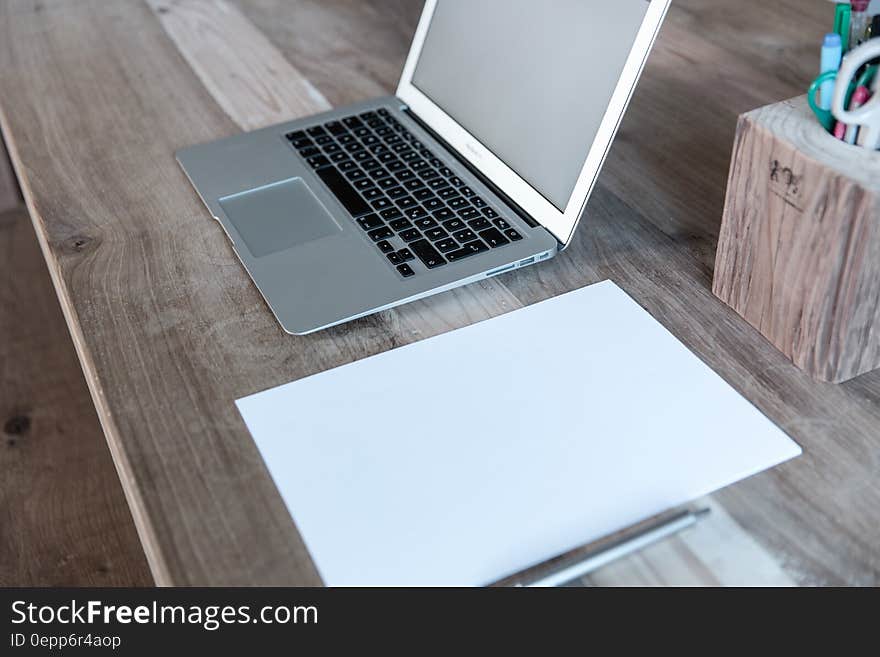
(799, 251)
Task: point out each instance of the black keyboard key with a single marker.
(386, 183)
(370, 222)
(329, 149)
(455, 180)
(416, 213)
(469, 249)
(457, 203)
(353, 147)
(383, 131)
(361, 156)
(378, 173)
(381, 234)
(446, 171)
(424, 194)
(293, 136)
(437, 163)
(363, 183)
(432, 204)
(396, 192)
(400, 224)
(468, 213)
(512, 235)
(443, 214)
(318, 162)
(466, 191)
(436, 234)
(406, 202)
(409, 156)
(405, 255)
(479, 224)
(426, 223)
(489, 212)
(316, 131)
(413, 184)
(410, 234)
(348, 165)
(346, 139)
(343, 191)
(363, 133)
(391, 213)
(368, 163)
(404, 175)
(302, 142)
(355, 174)
(494, 238)
(448, 193)
(501, 224)
(353, 122)
(385, 246)
(394, 258)
(323, 140)
(311, 151)
(372, 193)
(335, 128)
(464, 235)
(418, 165)
(446, 245)
(383, 112)
(397, 165)
(429, 256)
(430, 174)
(405, 270)
(388, 157)
(382, 203)
(478, 202)
(453, 225)
(368, 116)
(340, 157)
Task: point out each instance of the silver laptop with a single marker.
(481, 164)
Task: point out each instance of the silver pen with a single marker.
(583, 565)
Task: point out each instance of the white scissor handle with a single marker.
(868, 115)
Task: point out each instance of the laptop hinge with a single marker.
(525, 216)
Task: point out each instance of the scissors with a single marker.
(867, 117)
(826, 118)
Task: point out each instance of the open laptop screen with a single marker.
(530, 80)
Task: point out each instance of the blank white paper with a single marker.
(470, 456)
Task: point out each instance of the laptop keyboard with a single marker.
(398, 191)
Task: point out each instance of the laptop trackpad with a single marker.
(278, 216)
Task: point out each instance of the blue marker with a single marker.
(832, 53)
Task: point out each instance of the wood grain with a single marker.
(63, 517)
(243, 71)
(799, 251)
(170, 330)
(716, 552)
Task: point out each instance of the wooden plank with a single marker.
(170, 329)
(63, 517)
(10, 195)
(247, 76)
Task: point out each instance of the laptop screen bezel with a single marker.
(560, 223)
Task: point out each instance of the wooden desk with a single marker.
(95, 97)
